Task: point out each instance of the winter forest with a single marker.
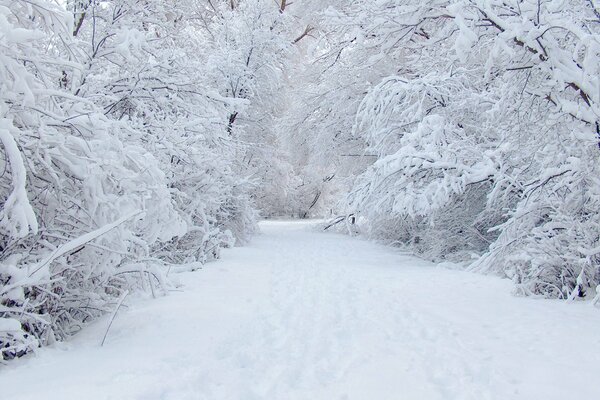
(140, 138)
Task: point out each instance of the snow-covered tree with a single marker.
(152, 72)
(116, 160)
(80, 206)
(487, 137)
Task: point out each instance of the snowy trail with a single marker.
(303, 315)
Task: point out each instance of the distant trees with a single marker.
(249, 55)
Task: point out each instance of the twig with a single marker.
(114, 314)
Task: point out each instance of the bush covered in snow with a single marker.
(486, 136)
(472, 128)
(119, 153)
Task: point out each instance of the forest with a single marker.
(140, 138)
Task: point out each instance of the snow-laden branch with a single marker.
(77, 243)
(17, 217)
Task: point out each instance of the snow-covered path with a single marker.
(302, 315)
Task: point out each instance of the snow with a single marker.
(299, 314)
(9, 324)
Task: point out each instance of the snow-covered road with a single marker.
(302, 315)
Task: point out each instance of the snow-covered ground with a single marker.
(299, 314)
